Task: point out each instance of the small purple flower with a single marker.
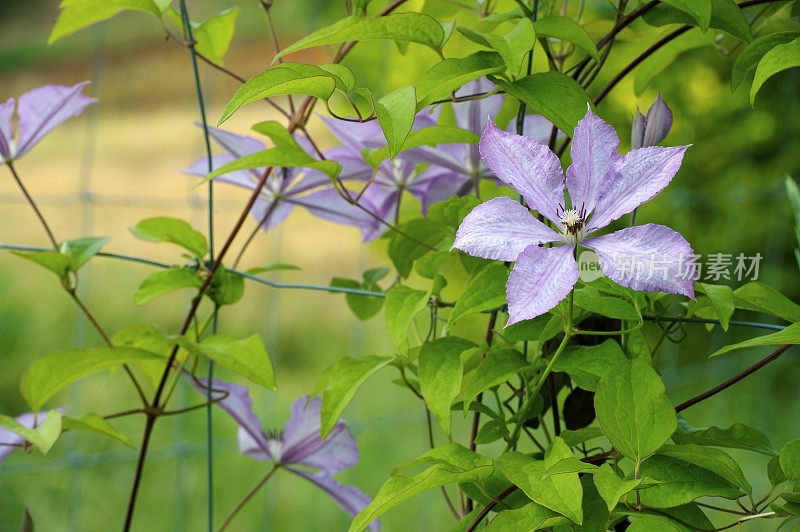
(300, 444)
(458, 168)
(602, 186)
(283, 190)
(11, 440)
(652, 129)
(38, 112)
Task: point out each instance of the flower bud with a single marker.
(652, 129)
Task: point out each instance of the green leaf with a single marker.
(749, 58)
(762, 298)
(243, 356)
(162, 229)
(452, 212)
(586, 365)
(790, 460)
(498, 366)
(485, 291)
(790, 335)
(440, 372)
(395, 113)
(691, 514)
(80, 250)
(554, 95)
(403, 251)
(681, 483)
(700, 10)
(512, 48)
(214, 36)
(277, 158)
(532, 516)
(56, 262)
(612, 307)
(737, 436)
(227, 287)
(570, 464)
(364, 307)
(339, 384)
(429, 136)
(449, 463)
(633, 409)
(560, 493)
(49, 374)
(612, 488)
(412, 27)
(725, 15)
(721, 298)
(774, 472)
(579, 436)
(715, 460)
(96, 423)
(451, 74)
(780, 58)
(166, 281)
(402, 304)
(272, 267)
(566, 29)
(77, 14)
(287, 79)
(42, 437)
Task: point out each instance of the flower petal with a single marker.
(474, 115)
(635, 179)
(594, 151)
(302, 443)
(6, 129)
(10, 440)
(329, 205)
(440, 184)
(242, 178)
(538, 128)
(239, 406)
(527, 166)
(541, 278)
(351, 499)
(236, 145)
(43, 108)
(658, 122)
(269, 217)
(501, 229)
(647, 257)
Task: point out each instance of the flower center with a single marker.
(275, 444)
(573, 224)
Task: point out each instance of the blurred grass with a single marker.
(727, 198)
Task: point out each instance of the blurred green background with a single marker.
(121, 160)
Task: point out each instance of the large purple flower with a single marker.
(38, 112)
(457, 169)
(288, 188)
(602, 186)
(300, 446)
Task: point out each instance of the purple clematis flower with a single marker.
(300, 446)
(11, 440)
(38, 112)
(287, 189)
(602, 186)
(458, 168)
(651, 129)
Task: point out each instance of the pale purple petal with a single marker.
(44, 108)
(594, 151)
(658, 122)
(329, 205)
(10, 440)
(646, 257)
(356, 134)
(236, 145)
(450, 156)
(637, 129)
(440, 184)
(501, 229)
(6, 128)
(541, 278)
(267, 216)
(634, 179)
(474, 115)
(527, 166)
(538, 128)
(303, 445)
(351, 499)
(239, 406)
(243, 178)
